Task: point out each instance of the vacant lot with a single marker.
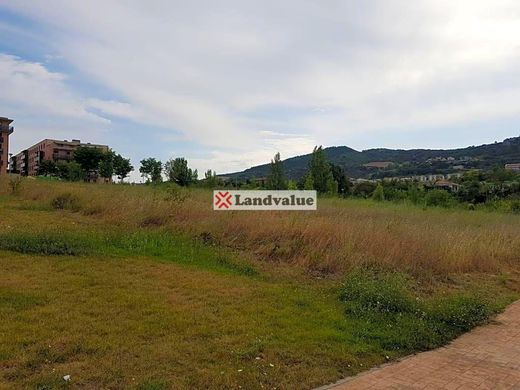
(147, 288)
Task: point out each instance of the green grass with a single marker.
(398, 319)
(158, 244)
(126, 306)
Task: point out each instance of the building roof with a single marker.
(378, 164)
(445, 183)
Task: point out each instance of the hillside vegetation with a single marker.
(406, 162)
(146, 287)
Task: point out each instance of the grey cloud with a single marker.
(205, 68)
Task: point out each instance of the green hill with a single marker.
(404, 162)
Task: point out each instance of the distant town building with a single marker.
(429, 178)
(426, 179)
(5, 131)
(260, 181)
(513, 167)
(447, 185)
(440, 159)
(27, 161)
(378, 164)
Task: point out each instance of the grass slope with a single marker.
(125, 287)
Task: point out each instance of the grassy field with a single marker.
(148, 288)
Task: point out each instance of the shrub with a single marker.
(439, 198)
(379, 193)
(66, 201)
(15, 184)
(461, 312)
(515, 206)
(364, 189)
(174, 193)
(377, 290)
(390, 314)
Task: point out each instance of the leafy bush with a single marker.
(66, 201)
(461, 312)
(385, 303)
(379, 193)
(439, 198)
(364, 189)
(175, 193)
(377, 290)
(515, 206)
(15, 184)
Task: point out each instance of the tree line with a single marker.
(88, 163)
(497, 188)
(474, 187)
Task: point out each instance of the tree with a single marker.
(178, 171)
(106, 165)
(472, 191)
(414, 193)
(122, 167)
(211, 180)
(70, 171)
(88, 158)
(308, 183)
(332, 185)
(276, 178)
(291, 185)
(379, 193)
(151, 169)
(344, 184)
(320, 170)
(364, 189)
(47, 168)
(209, 174)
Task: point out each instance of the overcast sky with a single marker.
(227, 84)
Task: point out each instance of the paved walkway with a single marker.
(486, 358)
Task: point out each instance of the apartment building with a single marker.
(27, 161)
(513, 167)
(5, 131)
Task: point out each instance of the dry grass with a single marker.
(96, 283)
(342, 233)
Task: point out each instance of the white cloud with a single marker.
(43, 105)
(31, 88)
(241, 78)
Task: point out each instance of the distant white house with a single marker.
(513, 167)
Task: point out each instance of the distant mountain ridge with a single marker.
(404, 162)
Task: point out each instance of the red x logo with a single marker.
(223, 200)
